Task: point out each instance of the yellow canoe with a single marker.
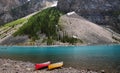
(55, 65)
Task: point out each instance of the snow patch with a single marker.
(74, 36)
(28, 0)
(70, 13)
(54, 4)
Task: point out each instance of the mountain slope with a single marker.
(8, 29)
(90, 33)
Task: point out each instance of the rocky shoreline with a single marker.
(11, 66)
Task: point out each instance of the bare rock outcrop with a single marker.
(91, 9)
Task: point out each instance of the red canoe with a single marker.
(42, 65)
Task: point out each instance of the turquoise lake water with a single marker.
(80, 57)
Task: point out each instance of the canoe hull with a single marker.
(55, 65)
(42, 65)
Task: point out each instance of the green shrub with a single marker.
(44, 40)
(70, 40)
(50, 41)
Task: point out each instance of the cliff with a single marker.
(106, 12)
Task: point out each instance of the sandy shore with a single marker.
(11, 66)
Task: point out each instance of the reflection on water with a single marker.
(94, 57)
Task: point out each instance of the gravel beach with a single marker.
(11, 66)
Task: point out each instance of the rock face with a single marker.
(5, 6)
(97, 11)
(14, 9)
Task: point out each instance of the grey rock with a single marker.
(14, 9)
(97, 11)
